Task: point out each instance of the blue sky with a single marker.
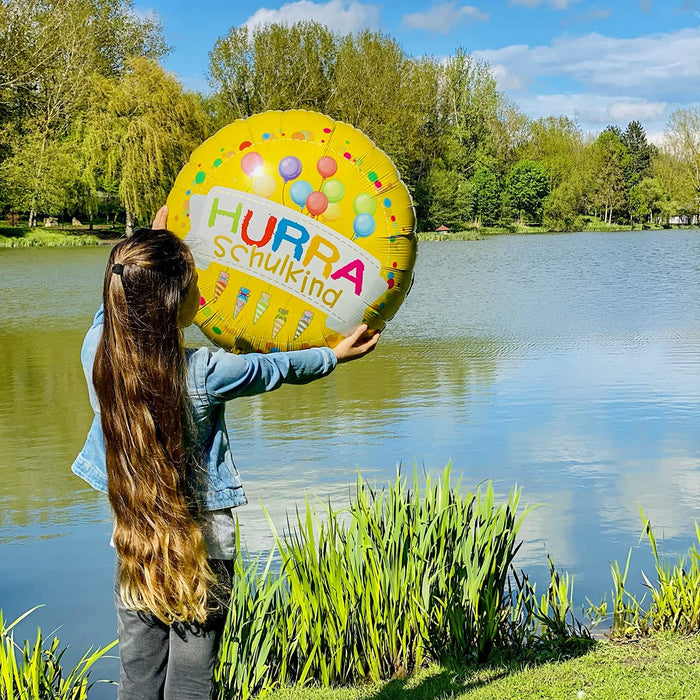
(599, 61)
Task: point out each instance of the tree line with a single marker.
(91, 125)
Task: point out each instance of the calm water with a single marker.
(565, 364)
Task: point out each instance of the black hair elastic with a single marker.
(118, 268)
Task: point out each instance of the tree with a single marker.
(487, 196)
(640, 152)
(137, 135)
(561, 208)
(274, 66)
(648, 199)
(49, 52)
(608, 160)
(451, 201)
(683, 142)
(526, 186)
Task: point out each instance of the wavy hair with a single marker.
(139, 375)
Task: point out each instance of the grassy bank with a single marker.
(24, 237)
(593, 225)
(659, 668)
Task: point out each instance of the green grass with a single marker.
(658, 668)
(33, 670)
(23, 237)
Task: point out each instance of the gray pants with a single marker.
(168, 662)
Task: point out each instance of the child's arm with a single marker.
(229, 376)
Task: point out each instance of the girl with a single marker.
(159, 447)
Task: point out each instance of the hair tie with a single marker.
(118, 268)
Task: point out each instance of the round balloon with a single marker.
(301, 230)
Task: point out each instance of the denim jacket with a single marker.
(213, 378)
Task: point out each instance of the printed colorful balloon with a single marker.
(299, 191)
(316, 203)
(326, 166)
(251, 162)
(290, 168)
(301, 230)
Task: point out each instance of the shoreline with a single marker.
(70, 238)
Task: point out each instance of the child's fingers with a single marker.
(161, 219)
(356, 335)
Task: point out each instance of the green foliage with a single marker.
(674, 598)
(683, 144)
(640, 152)
(562, 206)
(374, 590)
(34, 671)
(526, 186)
(87, 116)
(49, 239)
(486, 190)
(610, 161)
(50, 54)
(138, 134)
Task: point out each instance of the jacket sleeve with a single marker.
(87, 355)
(229, 376)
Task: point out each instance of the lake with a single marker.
(565, 364)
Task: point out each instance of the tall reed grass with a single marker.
(671, 603)
(372, 591)
(33, 671)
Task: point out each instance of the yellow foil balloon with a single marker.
(301, 230)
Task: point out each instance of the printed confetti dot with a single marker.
(387, 202)
(202, 301)
(391, 275)
(326, 131)
(373, 177)
(377, 184)
(390, 284)
(394, 264)
(266, 136)
(347, 155)
(200, 177)
(216, 330)
(188, 192)
(218, 162)
(393, 218)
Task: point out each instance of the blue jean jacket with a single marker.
(213, 378)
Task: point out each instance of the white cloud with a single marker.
(658, 66)
(556, 4)
(594, 111)
(337, 15)
(442, 17)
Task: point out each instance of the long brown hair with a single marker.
(139, 375)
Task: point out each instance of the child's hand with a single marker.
(351, 348)
(161, 219)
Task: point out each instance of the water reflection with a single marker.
(565, 364)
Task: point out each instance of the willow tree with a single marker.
(50, 53)
(137, 135)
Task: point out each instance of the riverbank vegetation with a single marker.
(411, 591)
(92, 126)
